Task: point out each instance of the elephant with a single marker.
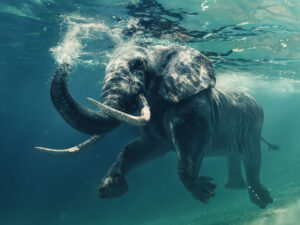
(170, 93)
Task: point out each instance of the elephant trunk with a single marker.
(119, 96)
(79, 117)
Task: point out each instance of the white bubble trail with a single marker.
(80, 32)
(258, 83)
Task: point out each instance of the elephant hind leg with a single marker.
(235, 178)
(258, 194)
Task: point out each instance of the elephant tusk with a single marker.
(73, 150)
(137, 121)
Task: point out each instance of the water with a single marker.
(254, 45)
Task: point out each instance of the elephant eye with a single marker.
(136, 64)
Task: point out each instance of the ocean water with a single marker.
(254, 46)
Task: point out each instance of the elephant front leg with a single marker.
(202, 188)
(134, 154)
(257, 192)
(189, 145)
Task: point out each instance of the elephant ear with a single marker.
(185, 72)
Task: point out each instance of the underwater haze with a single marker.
(254, 46)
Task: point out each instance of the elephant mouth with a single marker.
(126, 118)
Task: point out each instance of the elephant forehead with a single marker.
(125, 54)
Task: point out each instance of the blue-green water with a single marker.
(254, 45)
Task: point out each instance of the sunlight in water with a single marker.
(282, 216)
(252, 83)
(25, 10)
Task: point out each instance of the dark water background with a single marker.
(254, 45)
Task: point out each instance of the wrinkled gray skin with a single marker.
(189, 116)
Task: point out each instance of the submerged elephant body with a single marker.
(213, 123)
(189, 116)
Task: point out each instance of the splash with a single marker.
(88, 41)
(259, 83)
(85, 41)
(206, 3)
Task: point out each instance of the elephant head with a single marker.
(175, 72)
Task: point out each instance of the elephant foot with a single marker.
(260, 196)
(112, 187)
(204, 188)
(236, 184)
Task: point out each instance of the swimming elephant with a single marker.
(181, 110)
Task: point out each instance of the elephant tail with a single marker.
(272, 147)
